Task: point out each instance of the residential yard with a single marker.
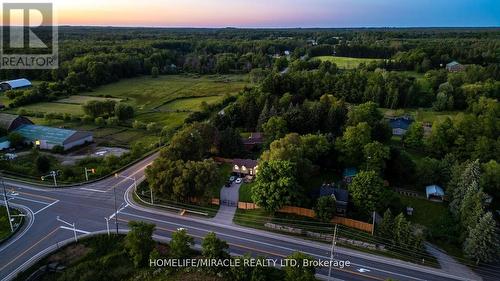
(421, 114)
(246, 192)
(345, 62)
(437, 219)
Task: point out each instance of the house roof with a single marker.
(400, 123)
(341, 195)
(7, 120)
(350, 172)
(52, 135)
(249, 163)
(18, 83)
(255, 138)
(435, 190)
(453, 63)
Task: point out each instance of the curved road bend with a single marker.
(87, 206)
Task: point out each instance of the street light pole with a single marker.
(7, 205)
(54, 176)
(107, 225)
(331, 253)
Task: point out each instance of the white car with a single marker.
(238, 181)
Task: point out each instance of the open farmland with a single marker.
(146, 93)
(345, 62)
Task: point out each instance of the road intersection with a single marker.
(51, 214)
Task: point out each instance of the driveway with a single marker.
(229, 197)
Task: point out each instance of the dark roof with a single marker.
(400, 123)
(10, 122)
(255, 138)
(17, 83)
(341, 195)
(249, 163)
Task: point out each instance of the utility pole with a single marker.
(7, 205)
(152, 201)
(332, 252)
(373, 223)
(116, 211)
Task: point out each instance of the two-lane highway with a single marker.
(87, 207)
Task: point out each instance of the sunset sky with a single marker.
(279, 13)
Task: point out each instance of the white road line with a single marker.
(31, 221)
(77, 230)
(31, 200)
(114, 214)
(94, 190)
(46, 207)
(271, 245)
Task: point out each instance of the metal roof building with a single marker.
(9, 122)
(15, 84)
(48, 137)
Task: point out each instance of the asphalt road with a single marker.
(88, 206)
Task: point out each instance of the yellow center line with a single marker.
(27, 250)
(36, 195)
(267, 252)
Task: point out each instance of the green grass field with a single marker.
(190, 104)
(51, 107)
(146, 93)
(80, 100)
(246, 192)
(345, 62)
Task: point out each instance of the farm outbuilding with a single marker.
(10, 122)
(48, 137)
(434, 192)
(15, 84)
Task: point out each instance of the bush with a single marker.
(88, 119)
(99, 121)
(58, 149)
(112, 121)
(138, 125)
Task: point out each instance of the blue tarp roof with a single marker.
(434, 190)
(18, 83)
(453, 63)
(400, 123)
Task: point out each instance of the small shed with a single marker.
(434, 192)
(15, 84)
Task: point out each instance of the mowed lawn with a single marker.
(420, 115)
(345, 62)
(190, 104)
(147, 93)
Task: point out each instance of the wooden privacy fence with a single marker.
(364, 226)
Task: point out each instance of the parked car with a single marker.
(232, 178)
(238, 181)
(229, 183)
